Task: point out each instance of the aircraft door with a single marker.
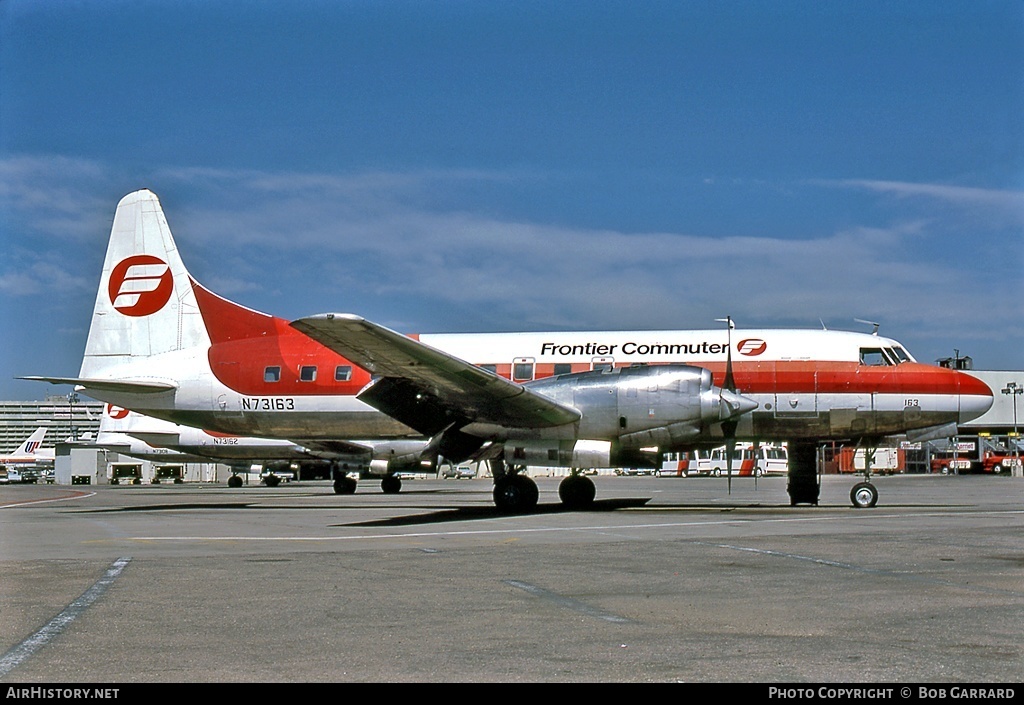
(796, 390)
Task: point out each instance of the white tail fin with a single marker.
(29, 446)
(145, 305)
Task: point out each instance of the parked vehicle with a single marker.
(458, 472)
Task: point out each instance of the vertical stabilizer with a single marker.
(145, 306)
(29, 446)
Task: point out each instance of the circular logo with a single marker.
(140, 285)
(116, 412)
(751, 347)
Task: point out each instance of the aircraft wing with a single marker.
(426, 388)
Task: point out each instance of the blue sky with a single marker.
(480, 166)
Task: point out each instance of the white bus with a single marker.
(769, 459)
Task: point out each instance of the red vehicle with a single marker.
(1001, 461)
(948, 464)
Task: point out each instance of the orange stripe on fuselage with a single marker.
(245, 342)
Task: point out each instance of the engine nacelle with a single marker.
(657, 405)
(576, 454)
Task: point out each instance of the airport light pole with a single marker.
(1014, 389)
(72, 400)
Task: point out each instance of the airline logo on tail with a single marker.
(116, 412)
(31, 446)
(140, 285)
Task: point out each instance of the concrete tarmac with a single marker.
(665, 580)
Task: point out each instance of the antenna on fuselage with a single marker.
(874, 331)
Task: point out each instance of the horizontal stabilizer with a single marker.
(157, 440)
(110, 385)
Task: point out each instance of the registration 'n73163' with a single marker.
(268, 404)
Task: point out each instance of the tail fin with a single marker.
(30, 444)
(145, 305)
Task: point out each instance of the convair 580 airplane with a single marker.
(146, 437)
(163, 345)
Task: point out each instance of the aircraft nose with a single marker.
(976, 398)
(733, 404)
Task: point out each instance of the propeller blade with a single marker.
(728, 395)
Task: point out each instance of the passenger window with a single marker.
(490, 368)
(343, 373)
(307, 373)
(562, 368)
(272, 374)
(522, 371)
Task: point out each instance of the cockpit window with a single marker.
(883, 357)
(899, 354)
(873, 357)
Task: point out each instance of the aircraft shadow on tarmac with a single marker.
(434, 517)
(474, 513)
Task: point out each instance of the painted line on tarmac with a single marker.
(568, 602)
(25, 503)
(62, 621)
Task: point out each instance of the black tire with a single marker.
(234, 481)
(344, 485)
(391, 484)
(577, 492)
(272, 480)
(516, 493)
(864, 495)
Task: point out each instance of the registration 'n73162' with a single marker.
(268, 404)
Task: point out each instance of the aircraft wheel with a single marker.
(344, 485)
(515, 493)
(391, 484)
(234, 481)
(577, 492)
(864, 495)
(272, 480)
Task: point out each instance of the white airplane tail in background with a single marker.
(31, 444)
(145, 305)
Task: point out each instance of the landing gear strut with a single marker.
(803, 484)
(864, 495)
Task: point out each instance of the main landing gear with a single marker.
(343, 484)
(576, 491)
(516, 492)
(513, 491)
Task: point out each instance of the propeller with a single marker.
(728, 385)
